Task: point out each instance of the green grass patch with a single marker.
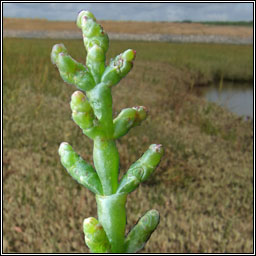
(205, 62)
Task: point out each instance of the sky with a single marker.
(165, 11)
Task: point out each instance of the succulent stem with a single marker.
(93, 113)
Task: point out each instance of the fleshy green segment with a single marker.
(141, 169)
(106, 161)
(95, 236)
(81, 171)
(100, 99)
(118, 67)
(96, 43)
(128, 118)
(141, 232)
(70, 70)
(95, 61)
(112, 216)
(93, 33)
(83, 115)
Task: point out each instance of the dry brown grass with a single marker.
(132, 27)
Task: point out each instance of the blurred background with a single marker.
(193, 71)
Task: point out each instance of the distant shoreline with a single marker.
(133, 27)
(68, 34)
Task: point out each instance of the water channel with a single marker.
(237, 98)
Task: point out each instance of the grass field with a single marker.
(203, 187)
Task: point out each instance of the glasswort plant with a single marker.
(92, 112)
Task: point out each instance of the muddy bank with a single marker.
(137, 37)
